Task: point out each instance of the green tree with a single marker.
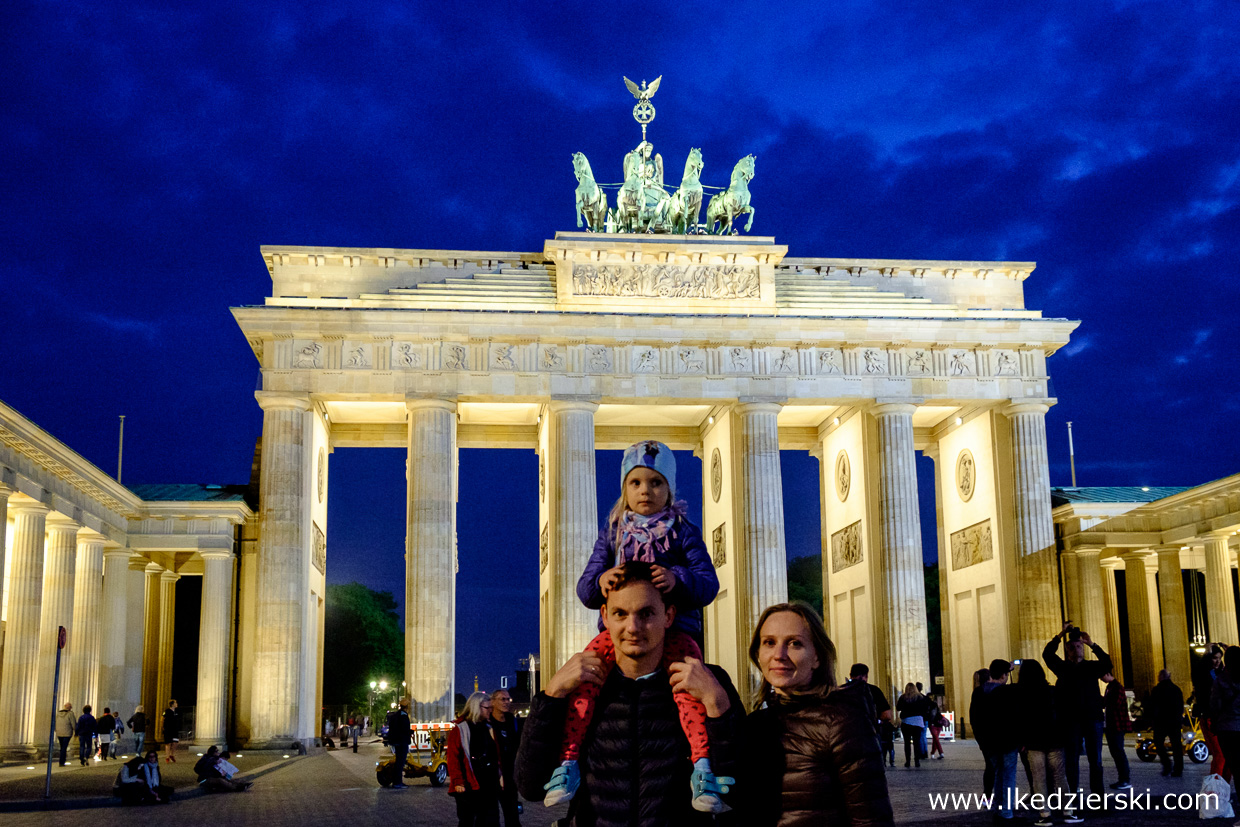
(362, 640)
(805, 580)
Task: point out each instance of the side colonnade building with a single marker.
(79, 550)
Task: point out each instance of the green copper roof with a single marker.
(1114, 494)
(190, 493)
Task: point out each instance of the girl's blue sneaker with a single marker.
(563, 784)
(707, 789)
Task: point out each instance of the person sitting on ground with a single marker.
(130, 786)
(647, 524)
(211, 775)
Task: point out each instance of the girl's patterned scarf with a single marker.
(642, 538)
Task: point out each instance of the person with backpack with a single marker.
(935, 722)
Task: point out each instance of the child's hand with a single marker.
(583, 667)
(607, 580)
(664, 579)
(693, 677)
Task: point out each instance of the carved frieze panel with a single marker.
(719, 546)
(1005, 363)
(503, 357)
(307, 355)
(738, 360)
(781, 360)
(716, 475)
(843, 476)
(846, 547)
(874, 360)
(918, 361)
(318, 556)
(552, 357)
(666, 281)
(455, 356)
(966, 475)
(358, 355)
(690, 360)
(408, 355)
(645, 359)
(829, 361)
(961, 363)
(598, 359)
(971, 545)
(543, 550)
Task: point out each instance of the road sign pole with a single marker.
(51, 735)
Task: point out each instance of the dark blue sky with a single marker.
(150, 149)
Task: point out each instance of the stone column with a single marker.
(81, 681)
(1072, 586)
(1035, 531)
(57, 611)
(430, 559)
(1174, 617)
(167, 627)
(761, 556)
(1140, 635)
(5, 492)
(114, 618)
(1092, 615)
(283, 570)
(214, 631)
(19, 688)
(150, 644)
(904, 625)
(1110, 593)
(1151, 592)
(1220, 600)
(574, 524)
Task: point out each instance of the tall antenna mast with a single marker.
(120, 450)
(1071, 455)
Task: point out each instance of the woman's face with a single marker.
(645, 491)
(152, 758)
(786, 653)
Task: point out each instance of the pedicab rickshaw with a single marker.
(427, 757)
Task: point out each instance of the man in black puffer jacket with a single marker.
(635, 764)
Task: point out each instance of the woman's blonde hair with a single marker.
(822, 680)
(137, 709)
(910, 691)
(473, 708)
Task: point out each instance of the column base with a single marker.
(284, 746)
(23, 753)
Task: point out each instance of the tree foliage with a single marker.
(363, 641)
(805, 580)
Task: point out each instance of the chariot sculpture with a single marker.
(643, 203)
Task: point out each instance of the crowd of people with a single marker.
(101, 737)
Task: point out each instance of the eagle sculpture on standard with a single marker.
(643, 92)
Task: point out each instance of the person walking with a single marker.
(1080, 703)
(66, 721)
(506, 727)
(105, 729)
(473, 765)
(935, 722)
(137, 725)
(85, 732)
(170, 729)
(399, 735)
(912, 707)
(1115, 724)
(1166, 713)
(1225, 707)
(1204, 673)
(1041, 738)
(993, 711)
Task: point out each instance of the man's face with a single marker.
(637, 620)
(1076, 651)
(501, 704)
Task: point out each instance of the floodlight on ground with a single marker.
(286, 756)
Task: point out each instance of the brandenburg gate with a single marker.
(723, 345)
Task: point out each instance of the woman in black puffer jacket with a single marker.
(814, 747)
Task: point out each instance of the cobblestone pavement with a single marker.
(339, 787)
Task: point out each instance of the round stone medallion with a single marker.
(322, 473)
(843, 476)
(966, 475)
(716, 475)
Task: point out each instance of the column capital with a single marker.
(893, 409)
(572, 403)
(416, 403)
(932, 451)
(88, 537)
(1219, 534)
(215, 554)
(169, 576)
(5, 491)
(60, 523)
(153, 568)
(1087, 550)
(117, 552)
(748, 405)
(282, 401)
(1022, 406)
(28, 507)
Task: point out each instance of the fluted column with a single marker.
(1035, 531)
(1220, 600)
(150, 640)
(214, 628)
(907, 655)
(430, 559)
(573, 517)
(283, 570)
(1110, 593)
(57, 611)
(762, 557)
(114, 618)
(1140, 633)
(1151, 591)
(81, 681)
(1092, 615)
(20, 685)
(1173, 613)
(167, 630)
(5, 492)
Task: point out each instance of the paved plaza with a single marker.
(339, 788)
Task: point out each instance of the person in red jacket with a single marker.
(473, 765)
